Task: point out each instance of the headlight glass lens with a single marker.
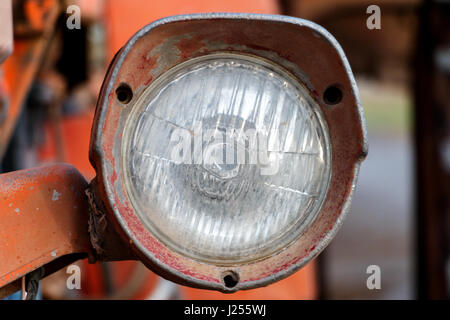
(226, 158)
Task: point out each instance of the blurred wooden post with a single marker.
(432, 142)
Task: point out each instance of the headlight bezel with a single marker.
(308, 52)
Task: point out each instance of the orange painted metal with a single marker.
(43, 216)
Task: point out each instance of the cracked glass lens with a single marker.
(226, 159)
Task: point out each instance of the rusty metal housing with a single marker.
(301, 47)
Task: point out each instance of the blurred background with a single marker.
(400, 216)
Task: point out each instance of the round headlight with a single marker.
(226, 158)
(227, 147)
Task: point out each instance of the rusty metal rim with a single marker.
(143, 251)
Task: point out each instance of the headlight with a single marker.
(227, 146)
(226, 158)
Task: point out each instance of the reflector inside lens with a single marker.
(226, 158)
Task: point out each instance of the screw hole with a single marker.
(124, 93)
(230, 279)
(332, 95)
